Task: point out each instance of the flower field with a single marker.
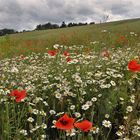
(72, 93)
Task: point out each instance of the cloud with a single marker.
(26, 14)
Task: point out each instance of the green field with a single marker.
(37, 41)
(81, 84)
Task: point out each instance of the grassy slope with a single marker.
(37, 41)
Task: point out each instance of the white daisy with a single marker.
(30, 119)
(129, 109)
(85, 107)
(106, 123)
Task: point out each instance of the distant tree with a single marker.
(38, 27)
(55, 26)
(75, 24)
(80, 24)
(70, 24)
(92, 23)
(7, 31)
(63, 25)
(46, 26)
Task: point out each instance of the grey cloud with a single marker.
(27, 14)
(123, 8)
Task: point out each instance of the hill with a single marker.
(37, 41)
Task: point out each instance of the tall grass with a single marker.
(37, 41)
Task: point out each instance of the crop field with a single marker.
(79, 83)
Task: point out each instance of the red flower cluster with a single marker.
(68, 59)
(120, 42)
(134, 66)
(67, 123)
(52, 52)
(19, 95)
(123, 39)
(66, 53)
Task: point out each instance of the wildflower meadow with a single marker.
(72, 92)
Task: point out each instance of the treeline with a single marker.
(56, 26)
(44, 27)
(7, 31)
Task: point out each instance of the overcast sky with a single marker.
(26, 14)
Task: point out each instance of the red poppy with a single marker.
(66, 53)
(19, 95)
(134, 66)
(118, 41)
(52, 52)
(85, 125)
(123, 39)
(68, 59)
(65, 123)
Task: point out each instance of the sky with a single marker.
(26, 14)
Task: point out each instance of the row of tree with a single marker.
(55, 26)
(44, 27)
(7, 31)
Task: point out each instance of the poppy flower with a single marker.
(19, 95)
(134, 66)
(52, 52)
(66, 53)
(65, 123)
(85, 125)
(123, 39)
(68, 59)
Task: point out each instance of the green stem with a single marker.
(108, 133)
